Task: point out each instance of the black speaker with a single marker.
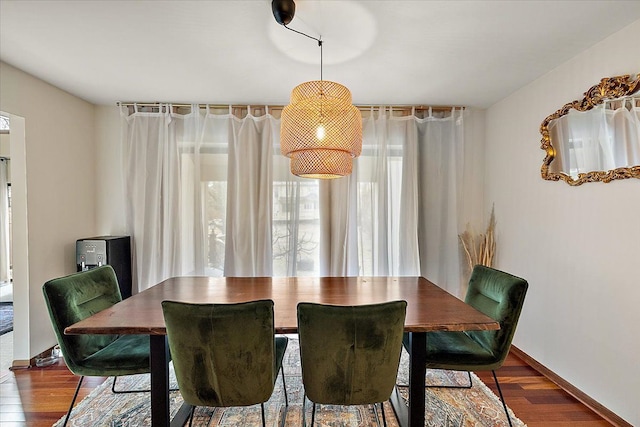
(113, 250)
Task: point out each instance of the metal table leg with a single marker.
(160, 358)
(413, 416)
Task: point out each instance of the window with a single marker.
(296, 250)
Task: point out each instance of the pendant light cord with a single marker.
(319, 40)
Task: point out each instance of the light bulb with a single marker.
(320, 132)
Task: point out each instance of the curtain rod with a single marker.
(280, 107)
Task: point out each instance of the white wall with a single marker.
(4, 145)
(110, 208)
(579, 247)
(60, 191)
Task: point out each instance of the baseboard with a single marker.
(571, 389)
(20, 364)
(26, 364)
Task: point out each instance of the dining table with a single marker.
(429, 308)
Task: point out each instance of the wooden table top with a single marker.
(429, 308)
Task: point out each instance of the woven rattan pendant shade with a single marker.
(321, 131)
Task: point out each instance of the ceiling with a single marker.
(471, 53)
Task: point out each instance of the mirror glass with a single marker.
(596, 138)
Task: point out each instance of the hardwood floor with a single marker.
(38, 397)
(536, 400)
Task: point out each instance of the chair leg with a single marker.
(313, 414)
(284, 387)
(304, 411)
(502, 398)
(75, 395)
(264, 424)
(113, 389)
(375, 413)
(465, 386)
(193, 410)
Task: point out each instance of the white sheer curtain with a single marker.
(398, 213)
(249, 196)
(208, 192)
(5, 259)
(624, 127)
(603, 138)
(152, 179)
(198, 186)
(442, 149)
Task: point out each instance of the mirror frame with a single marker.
(608, 88)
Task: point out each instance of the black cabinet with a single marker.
(113, 250)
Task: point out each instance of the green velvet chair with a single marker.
(500, 296)
(75, 297)
(350, 354)
(225, 354)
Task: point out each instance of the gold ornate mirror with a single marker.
(596, 138)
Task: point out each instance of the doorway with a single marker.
(6, 282)
(14, 145)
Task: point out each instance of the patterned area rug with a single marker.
(477, 407)
(6, 317)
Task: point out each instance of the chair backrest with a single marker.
(500, 296)
(350, 354)
(223, 354)
(73, 298)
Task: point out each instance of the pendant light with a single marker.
(321, 130)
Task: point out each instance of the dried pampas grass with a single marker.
(481, 248)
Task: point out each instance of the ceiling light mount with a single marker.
(283, 11)
(320, 130)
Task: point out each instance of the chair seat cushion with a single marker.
(457, 351)
(128, 354)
